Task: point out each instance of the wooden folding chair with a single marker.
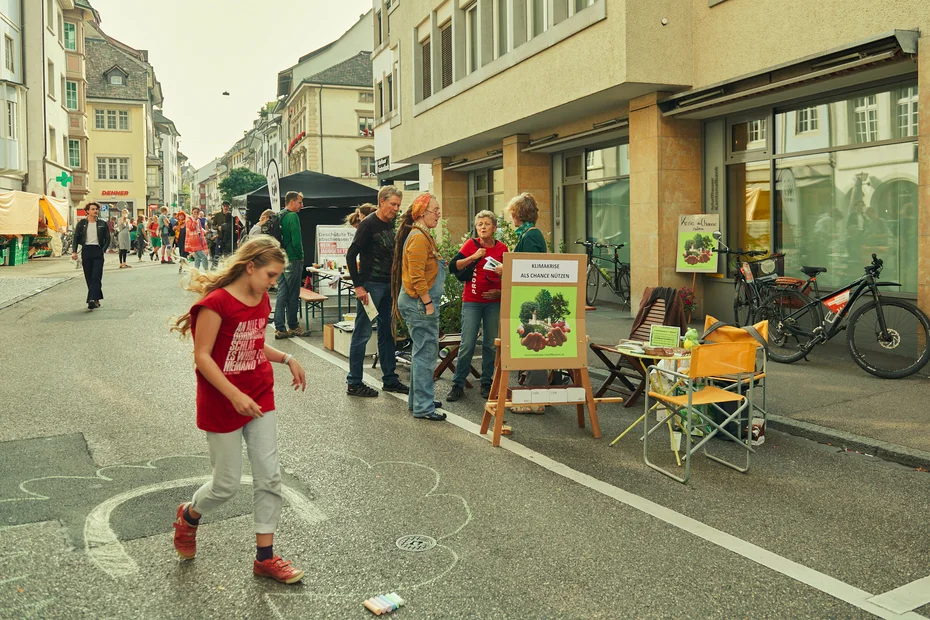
(736, 360)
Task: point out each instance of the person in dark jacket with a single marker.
(93, 236)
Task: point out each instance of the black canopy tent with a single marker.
(327, 201)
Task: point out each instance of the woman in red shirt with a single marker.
(235, 396)
(481, 302)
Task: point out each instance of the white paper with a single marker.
(370, 309)
(490, 264)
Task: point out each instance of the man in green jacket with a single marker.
(288, 299)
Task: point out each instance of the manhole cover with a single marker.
(416, 542)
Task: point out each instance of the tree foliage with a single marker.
(240, 181)
(560, 308)
(544, 305)
(526, 312)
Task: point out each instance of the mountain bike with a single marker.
(887, 338)
(752, 280)
(619, 284)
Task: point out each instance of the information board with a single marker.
(696, 243)
(332, 243)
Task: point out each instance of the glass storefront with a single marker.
(844, 173)
(487, 191)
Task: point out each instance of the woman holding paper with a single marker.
(476, 265)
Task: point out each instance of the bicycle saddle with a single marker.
(813, 271)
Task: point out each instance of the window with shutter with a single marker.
(427, 70)
(446, 41)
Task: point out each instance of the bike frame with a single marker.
(865, 282)
(619, 268)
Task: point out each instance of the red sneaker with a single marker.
(278, 569)
(185, 535)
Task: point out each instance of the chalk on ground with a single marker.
(384, 603)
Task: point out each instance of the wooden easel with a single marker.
(500, 387)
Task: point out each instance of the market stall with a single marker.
(30, 225)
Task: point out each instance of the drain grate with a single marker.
(415, 543)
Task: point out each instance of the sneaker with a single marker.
(298, 332)
(361, 390)
(185, 535)
(455, 393)
(281, 335)
(398, 387)
(278, 569)
(485, 390)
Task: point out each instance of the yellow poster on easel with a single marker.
(542, 327)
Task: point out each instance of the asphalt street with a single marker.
(98, 446)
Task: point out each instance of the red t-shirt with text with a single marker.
(239, 351)
(483, 280)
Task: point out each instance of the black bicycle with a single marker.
(618, 283)
(887, 337)
(752, 279)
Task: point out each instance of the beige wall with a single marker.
(743, 36)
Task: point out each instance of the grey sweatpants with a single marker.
(261, 442)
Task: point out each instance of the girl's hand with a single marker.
(300, 379)
(246, 406)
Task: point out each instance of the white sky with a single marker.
(200, 48)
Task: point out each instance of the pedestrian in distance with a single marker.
(180, 231)
(111, 224)
(141, 231)
(93, 237)
(235, 397)
(288, 297)
(481, 302)
(355, 218)
(167, 236)
(195, 241)
(123, 239)
(154, 237)
(370, 259)
(417, 282)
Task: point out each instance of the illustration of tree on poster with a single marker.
(696, 243)
(542, 312)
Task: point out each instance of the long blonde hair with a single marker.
(260, 251)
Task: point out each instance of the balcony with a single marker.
(79, 187)
(75, 66)
(77, 124)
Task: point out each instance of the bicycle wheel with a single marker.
(623, 286)
(903, 351)
(791, 324)
(742, 309)
(592, 283)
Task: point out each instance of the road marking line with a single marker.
(808, 576)
(107, 552)
(908, 597)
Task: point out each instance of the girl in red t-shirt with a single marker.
(481, 302)
(235, 396)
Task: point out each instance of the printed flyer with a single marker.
(696, 243)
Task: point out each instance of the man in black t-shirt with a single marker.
(369, 260)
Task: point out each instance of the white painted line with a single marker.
(107, 552)
(808, 576)
(906, 598)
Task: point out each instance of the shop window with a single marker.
(427, 76)
(445, 38)
(865, 118)
(834, 210)
(749, 206)
(488, 191)
(748, 135)
(907, 112)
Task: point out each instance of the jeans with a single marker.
(380, 293)
(288, 300)
(92, 262)
(424, 331)
(200, 260)
(475, 314)
(261, 444)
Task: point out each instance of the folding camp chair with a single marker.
(734, 360)
(758, 334)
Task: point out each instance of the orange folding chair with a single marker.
(734, 360)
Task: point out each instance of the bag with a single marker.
(463, 275)
(272, 227)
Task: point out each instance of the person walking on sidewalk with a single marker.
(140, 242)
(288, 298)
(417, 281)
(123, 239)
(195, 242)
(93, 236)
(154, 237)
(370, 259)
(167, 236)
(235, 397)
(481, 303)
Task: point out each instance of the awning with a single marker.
(878, 57)
(19, 213)
(404, 173)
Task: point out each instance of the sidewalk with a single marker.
(828, 399)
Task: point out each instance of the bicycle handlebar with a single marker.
(876, 267)
(742, 252)
(594, 244)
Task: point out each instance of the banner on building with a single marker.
(696, 243)
(274, 185)
(332, 243)
(543, 313)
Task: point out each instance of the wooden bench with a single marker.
(626, 368)
(312, 302)
(452, 342)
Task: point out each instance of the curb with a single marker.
(16, 300)
(910, 457)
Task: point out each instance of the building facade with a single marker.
(47, 115)
(75, 97)
(13, 158)
(802, 139)
(168, 142)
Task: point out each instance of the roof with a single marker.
(317, 51)
(355, 71)
(102, 56)
(161, 119)
(319, 190)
